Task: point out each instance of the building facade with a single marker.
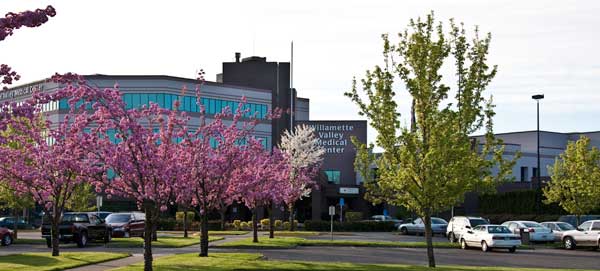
(265, 85)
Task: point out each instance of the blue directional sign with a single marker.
(385, 212)
(341, 201)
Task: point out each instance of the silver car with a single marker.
(537, 232)
(417, 226)
(586, 235)
(558, 229)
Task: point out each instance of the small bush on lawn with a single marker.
(237, 224)
(364, 226)
(190, 216)
(244, 225)
(286, 225)
(264, 223)
(278, 223)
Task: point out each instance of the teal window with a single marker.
(333, 176)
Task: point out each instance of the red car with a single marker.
(6, 236)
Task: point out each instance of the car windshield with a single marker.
(477, 222)
(75, 218)
(121, 218)
(498, 229)
(438, 221)
(565, 226)
(532, 225)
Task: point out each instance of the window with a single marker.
(596, 226)
(585, 226)
(524, 174)
(333, 176)
(534, 172)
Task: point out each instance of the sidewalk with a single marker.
(135, 258)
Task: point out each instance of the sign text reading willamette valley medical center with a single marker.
(335, 138)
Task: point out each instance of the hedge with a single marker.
(516, 203)
(364, 226)
(170, 224)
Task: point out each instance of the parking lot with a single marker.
(540, 256)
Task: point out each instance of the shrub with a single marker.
(166, 224)
(264, 223)
(353, 216)
(286, 225)
(364, 226)
(190, 216)
(517, 202)
(237, 224)
(244, 225)
(278, 223)
(501, 218)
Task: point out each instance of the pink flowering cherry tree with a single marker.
(261, 180)
(142, 148)
(48, 160)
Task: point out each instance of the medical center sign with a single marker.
(333, 138)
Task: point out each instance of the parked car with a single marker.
(6, 236)
(9, 222)
(79, 227)
(488, 237)
(537, 232)
(586, 235)
(127, 224)
(458, 225)
(386, 218)
(572, 219)
(558, 229)
(438, 225)
(103, 215)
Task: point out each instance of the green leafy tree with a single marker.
(575, 184)
(83, 198)
(9, 199)
(428, 166)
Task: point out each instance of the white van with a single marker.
(459, 225)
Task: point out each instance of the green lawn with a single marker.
(294, 233)
(246, 261)
(197, 233)
(44, 261)
(171, 242)
(290, 242)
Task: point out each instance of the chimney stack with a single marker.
(237, 57)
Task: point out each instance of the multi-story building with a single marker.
(266, 85)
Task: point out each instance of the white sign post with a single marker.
(98, 202)
(331, 214)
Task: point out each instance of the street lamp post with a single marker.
(538, 171)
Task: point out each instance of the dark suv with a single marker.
(127, 224)
(79, 228)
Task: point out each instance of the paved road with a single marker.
(541, 258)
(546, 258)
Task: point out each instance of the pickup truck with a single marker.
(80, 227)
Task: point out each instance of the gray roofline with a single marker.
(541, 131)
(166, 77)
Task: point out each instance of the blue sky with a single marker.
(548, 47)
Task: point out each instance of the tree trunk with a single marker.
(222, 212)
(148, 236)
(291, 207)
(185, 222)
(254, 226)
(154, 232)
(271, 222)
(204, 235)
(16, 224)
(428, 240)
(578, 219)
(54, 236)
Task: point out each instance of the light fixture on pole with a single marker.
(538, 171)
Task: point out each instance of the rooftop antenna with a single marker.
(292, 86)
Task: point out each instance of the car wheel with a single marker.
(404, 231)
(6, 240)
(569, 243)
(512, 249)
(485, 247)
(463, 244)
(82, 240)
(49, 242)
